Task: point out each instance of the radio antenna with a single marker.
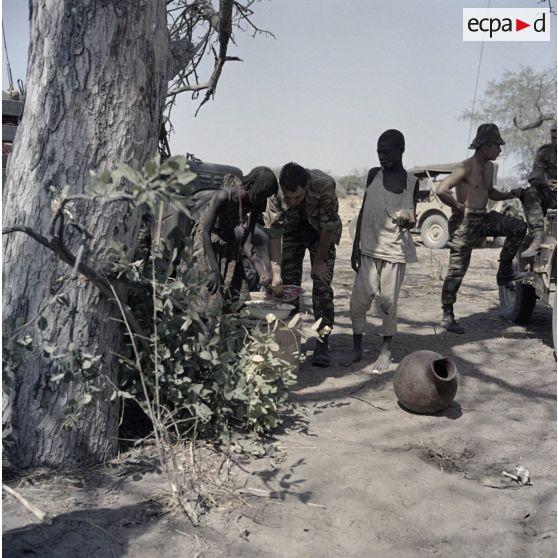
(10, 79)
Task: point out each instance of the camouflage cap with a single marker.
(487, 133)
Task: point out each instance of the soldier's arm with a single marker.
(443, 190)
(272, 216)
(498, 195)
(275, 256)
(329, 221)
(537, 176)
(274, 230)
(328, 206)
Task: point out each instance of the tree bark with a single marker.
(96, 85)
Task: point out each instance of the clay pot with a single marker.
(425, 382)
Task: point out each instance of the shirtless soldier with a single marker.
(473, 183)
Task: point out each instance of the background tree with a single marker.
(522, 103)
(352, 183)
(97, 82)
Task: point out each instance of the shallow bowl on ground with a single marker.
(290, 294)
(261, 308)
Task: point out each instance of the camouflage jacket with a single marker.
(544, 166)
(320, 208)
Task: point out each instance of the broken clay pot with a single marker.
(425, 382)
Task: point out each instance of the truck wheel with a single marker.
(434, 231)
(517, 302)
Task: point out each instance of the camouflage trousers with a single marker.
(537, 200)
(293, 249)
(465, 232)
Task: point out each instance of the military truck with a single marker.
(432, 214)
(176, 227)
(518, 300)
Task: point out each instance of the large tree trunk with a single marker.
(96, 83)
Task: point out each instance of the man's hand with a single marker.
(277, 287)
(404, 218)
(551, 183)
(320, 271)
(355, 259)
(459, 208)
(215, 281)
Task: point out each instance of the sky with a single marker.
(338, 74)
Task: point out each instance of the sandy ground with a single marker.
(353, 474)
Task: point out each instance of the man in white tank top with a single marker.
(383, 244)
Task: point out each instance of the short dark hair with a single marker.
(395, 137)
(261, 182)
(292, 176)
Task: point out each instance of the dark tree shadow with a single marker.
(82, 534)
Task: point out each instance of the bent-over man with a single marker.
(304, 215)
(227, 230)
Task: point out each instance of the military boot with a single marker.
(321, 353)
(535, 246)
(449, 322)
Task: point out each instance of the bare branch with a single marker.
(537, 123)
(216, 26)
(201, 86)
(549, 2)
(41, 515)
(183, 52)
(97, 279)
(245, 14)
(225, 32)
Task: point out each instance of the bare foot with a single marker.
(382, 362)
(356, 355)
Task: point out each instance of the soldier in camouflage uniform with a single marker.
(305, 216)
(541, 194)
(473, 180)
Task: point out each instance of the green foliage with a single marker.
(210, 368)
(525, 94)
(155, 183)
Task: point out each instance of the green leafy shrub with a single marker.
(207, 367)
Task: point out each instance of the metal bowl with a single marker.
(261, 308)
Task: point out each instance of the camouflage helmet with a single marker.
(487, 133)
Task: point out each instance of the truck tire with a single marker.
(517, 302)
(434, 231)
